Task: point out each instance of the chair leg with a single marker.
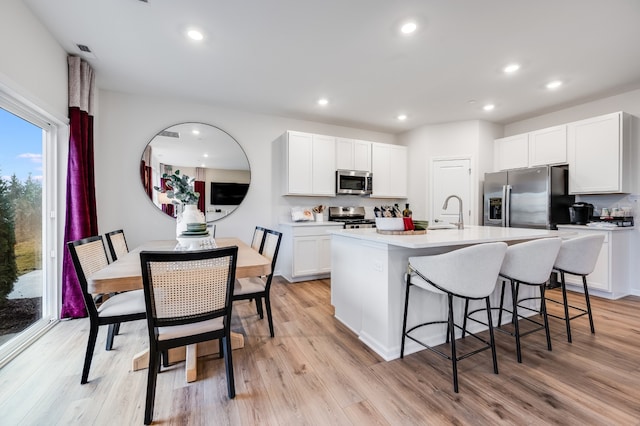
(404, 319)
(110, 335)
(464, 319)
(267, 302)
(117, 329)
(228, 363)
(501, 304)
(165, 358)
(586, 298)
(152, 377)
(516, 326)
(543, 311)
(454, 358)
(491, 336)
(259, 307)
(91, 344)
(567, 319)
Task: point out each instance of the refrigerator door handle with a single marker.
(506, 197)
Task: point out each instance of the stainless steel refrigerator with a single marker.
(527, 198)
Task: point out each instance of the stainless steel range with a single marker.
(352, 217)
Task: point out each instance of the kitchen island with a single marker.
(368, 288)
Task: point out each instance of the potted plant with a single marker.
(179, 189)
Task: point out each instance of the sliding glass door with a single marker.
(28, 290)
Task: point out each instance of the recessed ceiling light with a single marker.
(488, 107)
(195, 131)
(402, 117)
(323, 101)
(195, 35)
(206, 155)
(511, 68)
(408, 28)
(554, 84)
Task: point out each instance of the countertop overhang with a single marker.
(450, 237)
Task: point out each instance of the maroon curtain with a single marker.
(167, 208)
(145, 175)
(198, 186)
(81, 219)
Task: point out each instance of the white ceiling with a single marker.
(279, 56)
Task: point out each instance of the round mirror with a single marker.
(206, 153)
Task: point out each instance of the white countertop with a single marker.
(597, 228)
(312, 223)
(449, 237)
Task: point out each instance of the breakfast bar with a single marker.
(367, 281)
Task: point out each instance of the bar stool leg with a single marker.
(514, 296)
(501, 304)
(566, 306)
(586, 297)
(491, 336)
(464, 320)
(543, 311)
(404, 320)
(452, 331)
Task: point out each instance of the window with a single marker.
(29, 301)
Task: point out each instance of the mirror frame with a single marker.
(150, 174)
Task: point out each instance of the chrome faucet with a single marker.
(460, 216)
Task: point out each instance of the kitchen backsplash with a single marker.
(611, 201)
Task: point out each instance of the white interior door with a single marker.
(450, 177)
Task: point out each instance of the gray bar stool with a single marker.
(577, 256)
(530, 264)
(468, 273)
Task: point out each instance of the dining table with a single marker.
(125, 274)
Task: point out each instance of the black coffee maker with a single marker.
(580, 213)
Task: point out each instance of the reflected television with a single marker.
(228, 193)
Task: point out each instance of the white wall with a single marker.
(32, 64)
(126, 123)
(473, 139)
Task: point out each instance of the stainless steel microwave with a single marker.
(354, 182)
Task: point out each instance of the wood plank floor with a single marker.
(316, 372)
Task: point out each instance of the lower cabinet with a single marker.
(611, 277)
(305, 252)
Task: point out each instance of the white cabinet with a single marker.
(611, 277)
(389, 167)
(306, 251)
(352, 154)
(599, 155)
(548, 146)
(511, 152)
(309, 164)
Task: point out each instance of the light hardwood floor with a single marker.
(315, 371)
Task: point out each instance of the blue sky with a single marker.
(20, 147)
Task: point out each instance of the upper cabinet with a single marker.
(539, 148)
(389, 167)
(599, 155)
(352, 154)
(511, 152)
(548, 146)
(310, 164)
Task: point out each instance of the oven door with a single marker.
(352, 182)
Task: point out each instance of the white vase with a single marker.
(189, 214)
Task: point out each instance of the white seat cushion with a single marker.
(127, 303)
(531, 262)
(249, 285)
(416, 280)
(176, 331)
(579, 255)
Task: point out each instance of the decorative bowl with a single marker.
(196, 226)
(390, 223)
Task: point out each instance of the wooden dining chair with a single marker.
(89, 255)
(117, 244)
(188, 300)
(258, 288)
(257, 242)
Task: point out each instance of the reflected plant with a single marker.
(179, 188)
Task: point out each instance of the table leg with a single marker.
(141, 359)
